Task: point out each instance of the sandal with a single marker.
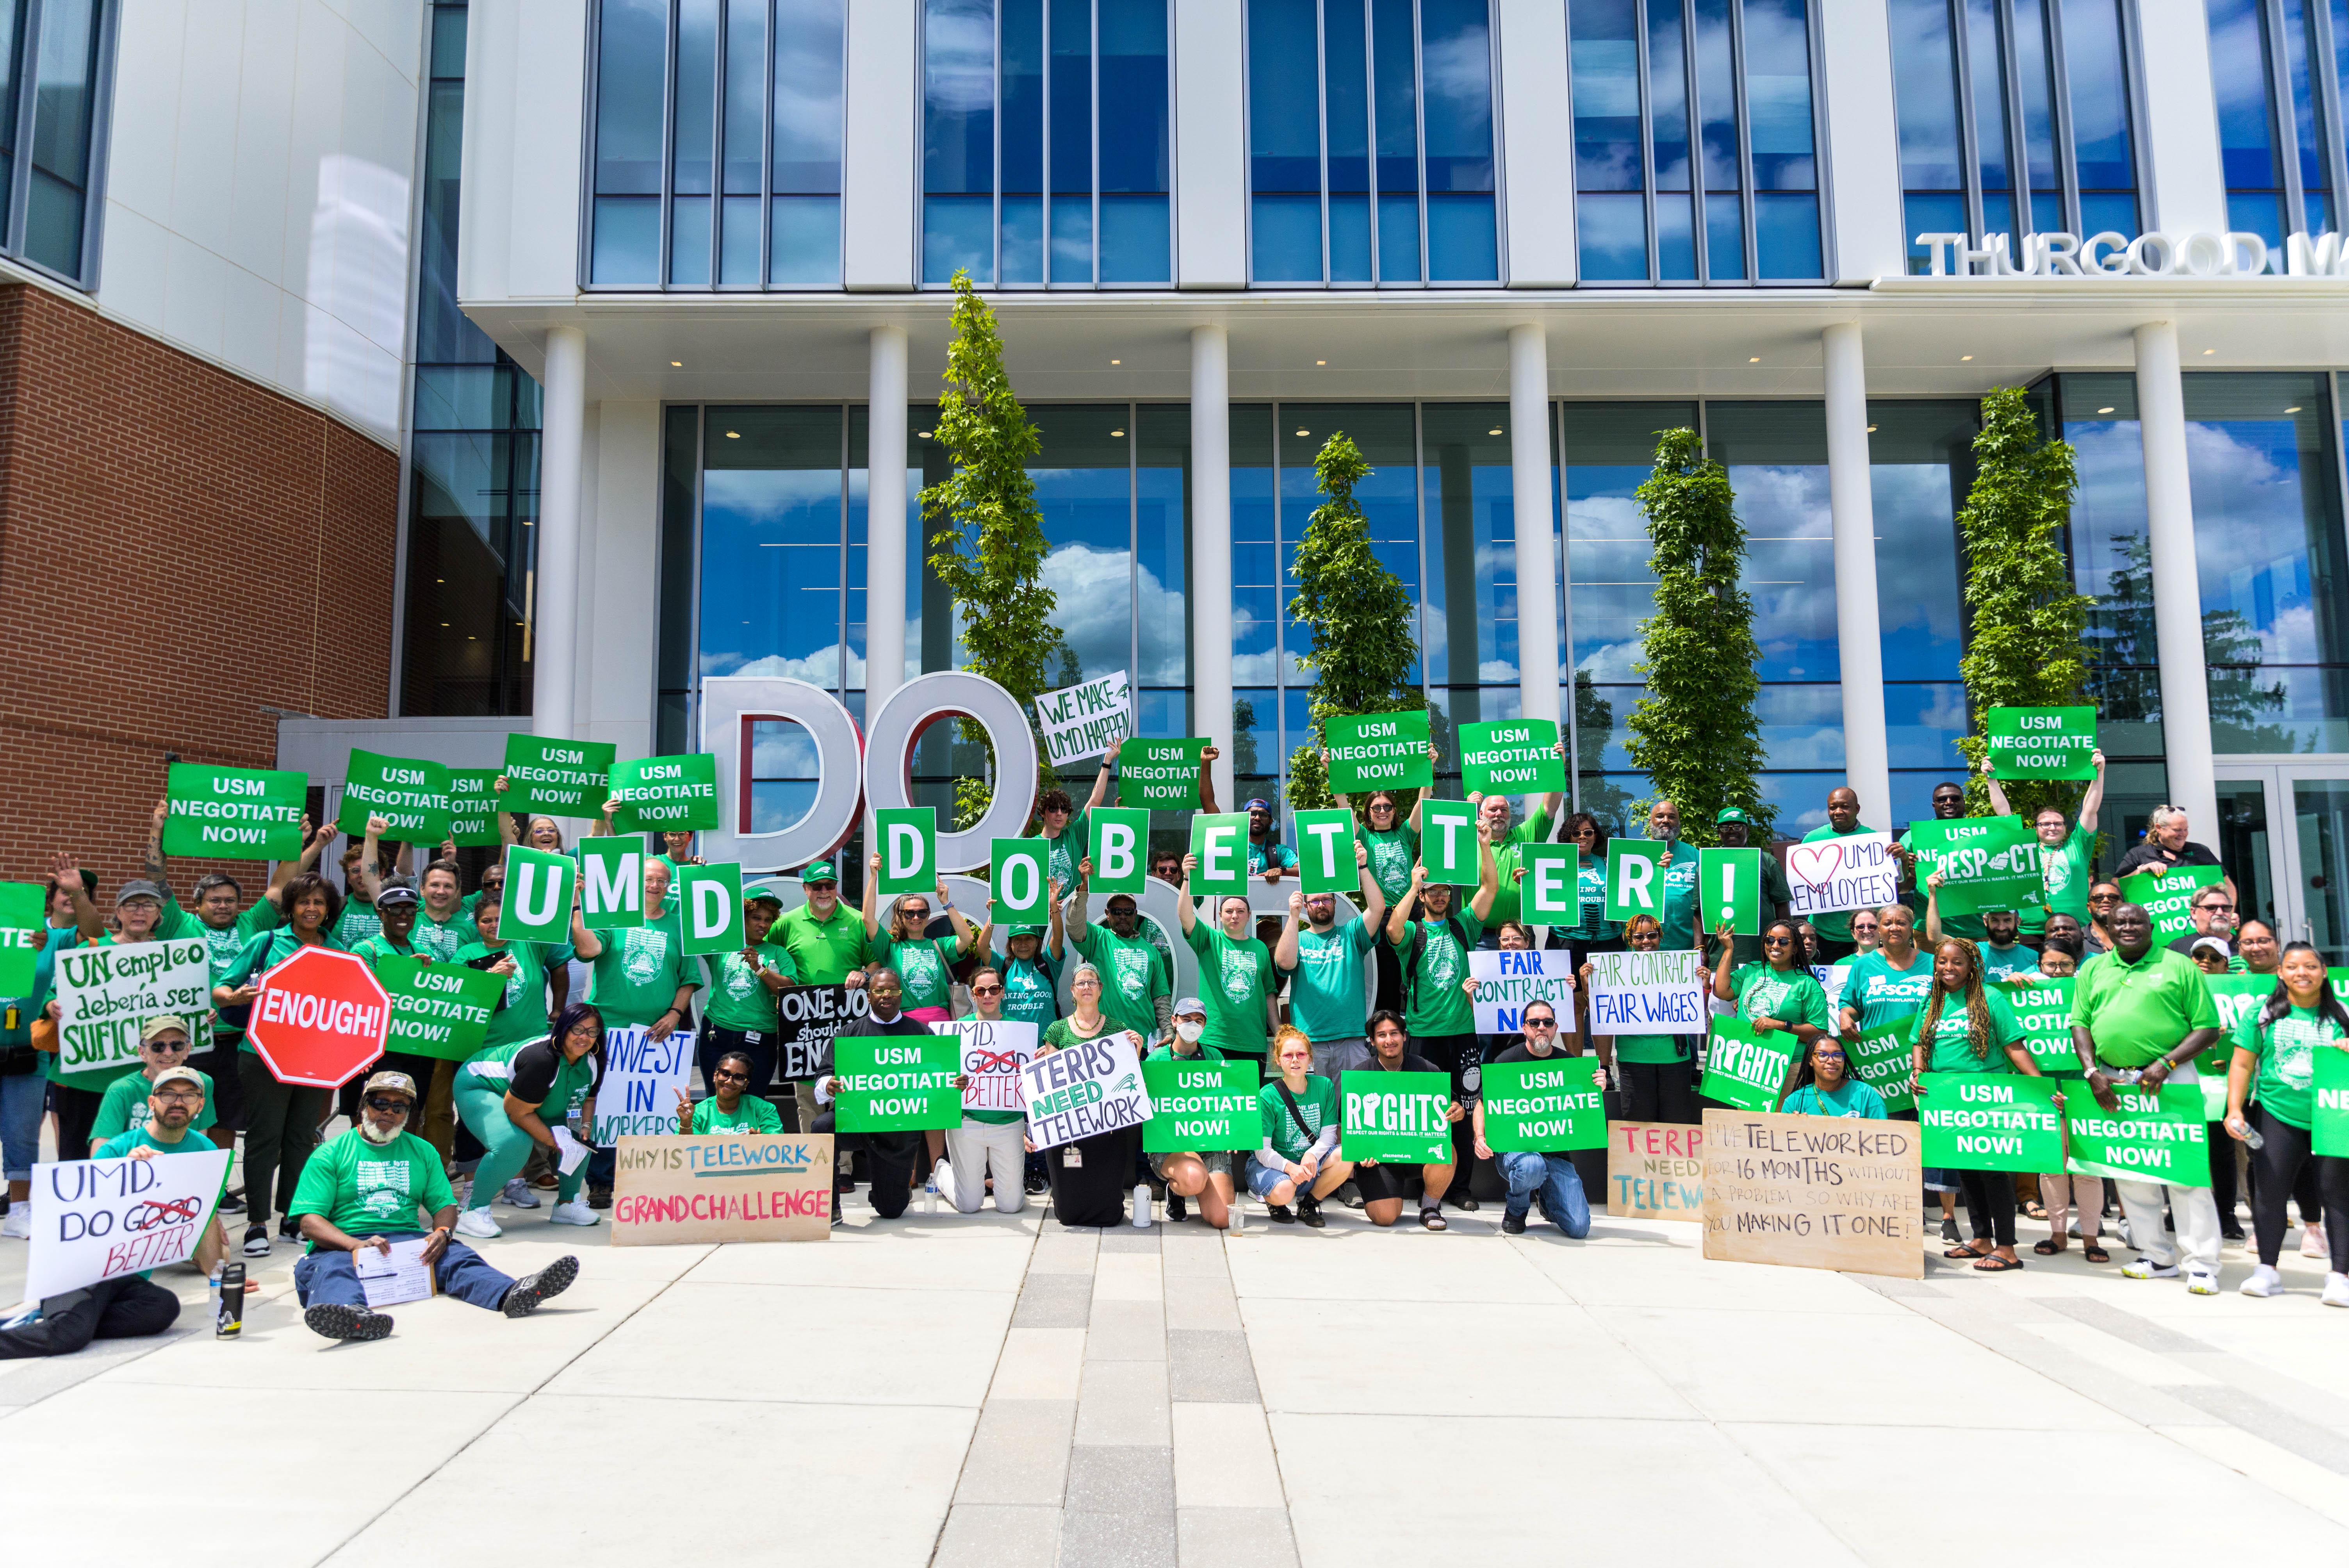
(1990, 1263)
(2034, 1210)
(2095, 1253)
(2048, 1248)
(1429, 1219)
(1964, 1250)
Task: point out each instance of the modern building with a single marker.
(676, 302)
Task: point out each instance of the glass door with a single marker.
(2283, 834)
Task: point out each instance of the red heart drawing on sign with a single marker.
(1813, 865)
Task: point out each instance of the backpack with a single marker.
(1418, 942)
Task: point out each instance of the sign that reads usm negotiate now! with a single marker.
(666, 794)
(1379, 751)
(234, 813)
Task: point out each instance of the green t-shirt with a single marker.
(1791, 997)
(1508, 853)
(221, 944)
(1745, 949)
(2006, 963)
(638, 972)
(125, 1105)
(1433, 1002)
(1652, 1049)
(2063, 876)
(1061, 859)
(377, 948)
(524, 1015)
(751, 1114)
(492, 1068)
(1952, 1051)
(259, 956)
(1881, 993)
(2136, 1012)
(1393, 852)
(1318, 1104)
(439, 939)
(1235, 978)
(1836, 927)
(925, 964)
(823, 951)
(1134, 976)
(1590, 889)
(736, 998)
(1030, 989)
(1854, 1098)
(1326, 998)
(357, 923)
(2285, 1079)
(367, 1189)
(1680, 896)
(121, 1143)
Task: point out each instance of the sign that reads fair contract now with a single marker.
(1085, 720)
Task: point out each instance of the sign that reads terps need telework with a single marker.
(1091, 1087)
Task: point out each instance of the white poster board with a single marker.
(1085, 720)
(105, 992)
(1089, 1087)
(994, 1053)
(1658, 993)
(636, 1096)
(1826, 876)
(96, 1219)
(1507, 981)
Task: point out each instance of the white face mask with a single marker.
(1190, 1029)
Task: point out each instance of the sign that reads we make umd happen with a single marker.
(1085, 720)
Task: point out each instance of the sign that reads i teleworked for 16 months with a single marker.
(1548, 1107)
(2042, 742)
(234, 813)
(1379, 751)
(104, 992)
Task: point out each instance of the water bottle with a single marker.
(1140, 1207)
(228, 1315)
(1239, 1216)
(930, 1192)
(2252, 1137)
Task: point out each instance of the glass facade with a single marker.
(2016, 117)
(717, 129)
(473, 479)
(51, 137)
(1696, 150)
(2277, 69)
(1047, 143)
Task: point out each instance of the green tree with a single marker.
(989, 548)
(1694, 733)
(2026, 643)
(1358, 613)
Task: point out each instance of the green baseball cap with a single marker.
(1732, 814)
(1023, 931)
(819, 870)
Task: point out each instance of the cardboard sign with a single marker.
(537, 903)
(2168, 897)
(439, 1010)
(1507, 980)
(898, 1083)
(1511, 757)
(1826, 876)
(907, 839)
(811, 1016)
(1160, 775)
(2149, 1139)
(2040, 742)
(1448, 846)
(1548, 1107)
(1744, 1067)
(473, 807)
(1658, 993)
(992, 1053)
(104, 992)
(1655, 1170)
(612, 883)
(1325, 852)
(1221, 843)
(1085, 720)
(1992, 1121)
(1119, 849)
(234, 813)
(95, 1220)
(1729, 888)
(664, 794)
(2328, 1119)
(709, 909)
(562, 777)
(1019, 887)
(1395, 1119)
(1092, 1087)
(408, 793)
(1550, 892)
(636, 1095)
(2042, 1007)
(1199, 1106)
(1377, 751)
(1986, 863)
(669, 1190)
(1811, 1192)
(1885, 1060)
(1635, 878)
(23, 934)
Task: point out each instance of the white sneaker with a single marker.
(2123, 1232)
(2312, 1241)
(575, 1213)
(2146, 1268)
(519, 1195)
(18, 1221)
(2264, 1281)
(476, 1223)
(2336, 1290)
(2201, 1282)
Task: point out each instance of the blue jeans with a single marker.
(22, 1097)
(1550, 1177)
(324, 1278)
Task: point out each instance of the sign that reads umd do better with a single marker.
(1813, 1191)
(104, 992)
(102, 1218)
(1379, 751)
(753, 1187)
(1085, 720)
(234, 813)
(2042, 742)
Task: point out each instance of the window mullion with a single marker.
(1321, 95)
(1968, 133)
(2067, 161)
(2281, 115)
(2328, 106)
(1419, 122)
(20, 183)
(1749, 214)
(2018, 140)
(1646, 141)
(1092, 69)
(1694, 120)
(668, 146)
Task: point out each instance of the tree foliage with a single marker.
(1694, 732)
(988, 548)
(1358, 613)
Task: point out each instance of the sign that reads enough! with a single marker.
(1379, 751)
(1550, 1107)
(234, 813)
(320, 1017)
(104, 992)
(1396, 1118)
(1092, 1087)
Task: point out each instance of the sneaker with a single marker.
(1949, 1229)
(2202, 1282)
(1350, 1194)
(2312, 1243)
(234, 1203)
(1467, 1204)
(1037, 1185)
(478, 1224)
(2336, 1290)
(19, 1221)
(597, 1198)
(2122, 1230)
(256, 1241)
(1512, 1224)
(835, 1210)
(2146, 1268)
(519, 1195)
(1177, 1210)
(2264, 1281)
(523, 1296)
(1308, 1210)
(2232, 1235)
(2073, 1231)
(290, 1228)
(1281, 1214)
(578, 1212)
(336, 1321)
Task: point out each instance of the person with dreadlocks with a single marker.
(1967, 1030)
(1820, 1084)
(2276, 1046)
(1778, 993)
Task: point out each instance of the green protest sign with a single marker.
(1019, 886)
(473, 807)
(1119, 846)
(1550, 892)
(1635, 878)
(709, 909)
(1985, 862)
(409, 794)
(1547, 1107)
(1221, 843)
(897, 1083)
(1743, 1068)
(2041, 743)
(1198, 1107)
(1883, 1058)
(1992, 1121)
(1729, 888)
(1447, 842)
(439, 1010)
(1325, 852)
(537, 903)
(24, 918)
(1159, 775)
(1377, 751)
(2042, 1007)
(2234, 996)
(2147, 1139)
(2328, 1117)
(234, 813)
(1511, 757)
(1395, 1119)
(2168, 897)
(565, 778)
(664, 794)
(612, 883)
(907, 839)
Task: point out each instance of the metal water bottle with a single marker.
(228, 1320)
(1140, 1209)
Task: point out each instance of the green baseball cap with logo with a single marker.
(1024, 930)
(1732, 814)
(819, 872)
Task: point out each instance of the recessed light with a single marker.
(2104, 410)
(1304, 432)
(1755, 360)
(444, 624)
(1117, 362)
(1493, 431)
(733, 435)
(2209, 351)
(922, 434)
(440, 580)
(1321, 361)
(2294, 410)
(1965, 356)
(1117, 432)
(1871, 430)
(476, 640)
(677, 364)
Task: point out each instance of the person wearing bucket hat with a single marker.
(741, 1015)
(1734, 828)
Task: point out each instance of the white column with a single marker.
(880, 153)
(2187, 179)
(885, 519)
(1529, 474)
(2177, 586)
(1211, 548)
(554, 635)
(1863, 140)
(1537, 189)
(1868, 754)
(1211, 191)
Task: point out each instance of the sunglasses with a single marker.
(731, 1076)
(388, 1102)
(2103, 898)
(1777, 941)
(987, 990)
(1826, 1056)
(1541, 1022)
(917, 911)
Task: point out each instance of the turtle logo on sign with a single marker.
(320, 1018)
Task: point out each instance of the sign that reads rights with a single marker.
(2042, 742)
(1745, 1068)
(103, 993)
(1511, 757)
(1379, 751)
(1547, 1107)
(666, 794)
(1085, 720)
(234, 813)
(1199, 1106)
(1396, 1118)
(566, 778)
(409, 794)
(1092, 1087)
(1160, 775)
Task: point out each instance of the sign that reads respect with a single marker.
(1379, 751)
(753, 1187)
(898, 1083)
(1829, 875)
(1508, 980)
(1992, 1121)
(1511, 757)
(1160, 775)
(104, 992)
(2042, 742)
(1085, 720)
(1658, 993)
(408, 793)
(234, 813)
(439, 1010)
(1984, 863)
(1395, 1119)
(566, 778)
(664, 794)
(1548, 1107)
(1813, 1191)
(1080, 1090)
(1198, 1107)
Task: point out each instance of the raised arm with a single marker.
(1283, 953)
(964, 937)
(370, 859)
(1101, 781)
(1488, 875)
(1375, 897)
(150, 864)
(1186, 908)
(1721, 988)
(507, 833)
(872, 881)
(1052, 938)
(1997, 796)
(66, 870)
(1434, 759)
(1207, 779)
(1077, 912)
(2094, 800)
(1555, 798)
(283, 871)
(1399, 919)
(584, 942)
(1933, 909)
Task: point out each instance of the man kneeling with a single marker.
(362, 1190)
(1385, 1187)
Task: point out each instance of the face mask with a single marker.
(368, 1130)
(1189, 1030)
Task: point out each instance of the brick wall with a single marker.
(182, 551)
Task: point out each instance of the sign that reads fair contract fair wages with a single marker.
(1745, 1068)
(1197, 1107)
(1658, 993)
(1092, 1087)
(1160, 775)
(2146, 1140)
(439, 1010)
(96, 1219)
(1085, 720)
(234, 813)
(1813, 1191)
(898, 1083)
(566, 778)
(1655, 1170)
(2042, 742)
(1395, 1119)
(636, 1095)
(1379, 751)
(1548, 1107)
(1511, 757)
(754, 1187)
(410, 795)
(1829, 875)
(1507, 980)
(664, 794)
(1992, 1121)
(104, 992)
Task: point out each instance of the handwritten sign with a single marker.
(104, 992)
(1201, 1106)
(811, 1015)
(1084, 1090)
(1807, 1191)
(993, 1052)
(636, 1096)
(1548, 1107)
(96, 1219)
(1507, 981)
(755, 1187)
(1828, 875)
(1379, 751)
(1655, 1170)
(1085, 720)
(1658, 993)
(1992, 1121)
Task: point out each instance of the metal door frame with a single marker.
(2278, 775)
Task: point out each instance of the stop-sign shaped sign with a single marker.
(320, 1017)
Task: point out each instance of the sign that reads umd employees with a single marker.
(1826, 876)
(1085, 720)
(104, 992)
(1092, 1087)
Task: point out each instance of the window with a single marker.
(1046, 146)
(1695, 148)
(2273, 69)
(2016, 117)
(66, 50)
(1385, 178)
(717, 129)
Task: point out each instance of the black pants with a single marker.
(125, 1308)
(759, 1047)
(1390, 972)
(282, 1128)
(1658, 1091)
(2222, 1176)
(1457, 1055)
(1990, 1204)
(888, 1155)
(219, 1064)
(76, 1111)
(2276, 1167)
(1093, 1191)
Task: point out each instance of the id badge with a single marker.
(1074, 1160)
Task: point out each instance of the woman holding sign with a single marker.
(1089, 1175)
(1779, 993)
(730, 1108)
(1652, 1072)
(2278, 1046)
(1298, 1163)
(925, 964)
(1392, 845)
(1968, 1030)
